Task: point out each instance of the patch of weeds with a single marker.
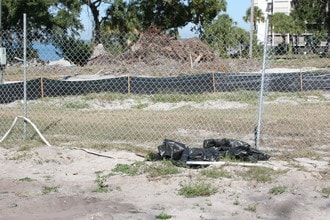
(301, 153)
(39, 161)
(20, 156)
(278, 190)
(25, 148)
(130, 169)
(141, 106)
(215, 173)
(52, 161)
(163, 215)
(48, 177)
(26, 179)
(177, 97)
(236, 202)
(208, 203)
(76, 105)
(326, 173)
(106, 96)
(260, 174)
(197, 189)
(242, 96)
(326, 192)
(100, 181)
(22, 194)
(298, 166)
(49, 189)
(251, 208)
(162, 168)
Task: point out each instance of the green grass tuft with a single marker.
(197, 189)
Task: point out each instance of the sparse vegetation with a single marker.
(215, 173)
(163, 216)
(19, 156)
(162, 168)
(326, 192)
(101, 182)
(154, 169)
(197, 189)
(251, 208)
(47, 177)
(236, 202)
(278, 190)
(49, 189)
(130, 169)
(26, 179)
(76, 105)
(259, 174)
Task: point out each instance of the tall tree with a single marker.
(42, 14)
(94, 7)
(172, 14)
(204, 11)
(225, 37)
(164, 14)
(315, 13)
(258, 16)
(286, 25)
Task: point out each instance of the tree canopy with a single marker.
(225, 37)
(315, 13)
(42, 14)
(284, 24)
(258, 16)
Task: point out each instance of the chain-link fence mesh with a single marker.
(128, 91)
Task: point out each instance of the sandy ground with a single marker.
(72, 173)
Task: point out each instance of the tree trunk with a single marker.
(97, 24)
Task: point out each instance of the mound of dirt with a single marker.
(153, 45)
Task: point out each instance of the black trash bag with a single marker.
(200, 154)
(239, 150)
(196, 154)
(213, 150)
(169, 150)
(223, 144)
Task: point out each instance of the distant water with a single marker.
(47, 51)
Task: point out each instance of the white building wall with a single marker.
(279, 6)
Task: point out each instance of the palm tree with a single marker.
(258, 16)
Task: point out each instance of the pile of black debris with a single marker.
(213, 150)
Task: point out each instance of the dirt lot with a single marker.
(60, 183)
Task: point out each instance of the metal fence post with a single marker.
(261, 94)
(24, 73)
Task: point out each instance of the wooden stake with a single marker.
(213, 82)
(129, 84)
(42, 87)
(301, 81)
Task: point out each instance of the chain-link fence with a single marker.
(135, 91)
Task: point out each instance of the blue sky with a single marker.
(235, 8)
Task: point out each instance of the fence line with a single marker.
(43, 87)
(150, 90)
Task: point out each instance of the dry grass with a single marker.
(293, 130)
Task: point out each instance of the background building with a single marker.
(278, 6)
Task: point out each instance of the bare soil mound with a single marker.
(153, 45)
